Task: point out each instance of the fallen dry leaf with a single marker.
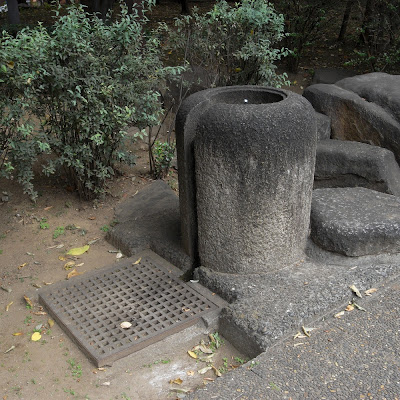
(106, 383)
(47, 283)
(78, 251)
(36, 336)
(39, 313)
(192, 354)
(69, 265)
(359, 307)
(92, 218)
(9, 305)
(79, 265)
(73, 273)
(125, 325)
(119, 255)
(10, 349)
(62, 258)
(204, 370)
(189, 373)
(50, 322)
(216, 371)
(22, 265)
(178, 381)
(350, 307)
(339, 314)
(137, 261)
(355, 290)
(102, 369)
(370, 291)
(48, 208)
(17, 334)
(307, 330)
(36, 285)
(28, 301)
(205, 349)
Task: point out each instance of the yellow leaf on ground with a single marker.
(69, 265)
(350, 307)
(36, 336)
(203, 370)
(50, 322)
(192, 354)
(77, 251)
(9, 305)
(28, 301)
(178, 381)
(217, 372)
(17, 334)
(189, 373)
(370, 291)
(62, 258)
(339, 314)
(73, 273)
(22, 265)
(137, 261)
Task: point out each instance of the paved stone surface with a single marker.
(363, 108)
(351, 358)
(355, 221)
(341, 163)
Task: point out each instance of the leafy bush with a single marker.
(235, 45)
(303, 20)
(379, 49)
(163, 153)
(85, 82)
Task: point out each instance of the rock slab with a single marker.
(355, 221)
(363, 108)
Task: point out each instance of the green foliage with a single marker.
(163, 153)
(234, 44)
(60, 230)
(43, 224)
(86, 82)
(105, 228)
(379, 48)
(303, 20)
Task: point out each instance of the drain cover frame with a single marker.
(150, 295)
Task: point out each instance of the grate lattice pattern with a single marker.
(91, 308)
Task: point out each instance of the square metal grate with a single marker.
(149, 295)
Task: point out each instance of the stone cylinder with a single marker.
(254, 156)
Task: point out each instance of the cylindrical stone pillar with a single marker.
(254, 157)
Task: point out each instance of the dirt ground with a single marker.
(32, 239)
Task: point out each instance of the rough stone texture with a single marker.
(348, 164)
(254, 170)
(364, 108)
(331, 75)
(323, 123)
(150, 219)
(354, 357)
(355, 221)
(265, 308)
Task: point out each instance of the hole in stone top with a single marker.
(245, 96)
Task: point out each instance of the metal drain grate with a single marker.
(91, 308)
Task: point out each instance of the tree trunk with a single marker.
(367, 20)
(345, 21)
(185, 7)
(13, 12)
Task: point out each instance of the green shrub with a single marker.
(235, 44)
(163, 153)
(85, 82)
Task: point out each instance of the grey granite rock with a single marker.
(349, 164)
(331, 75)
(150, 219)
(254, 153)
(355, 221)
(364, 108)
(323, 123)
